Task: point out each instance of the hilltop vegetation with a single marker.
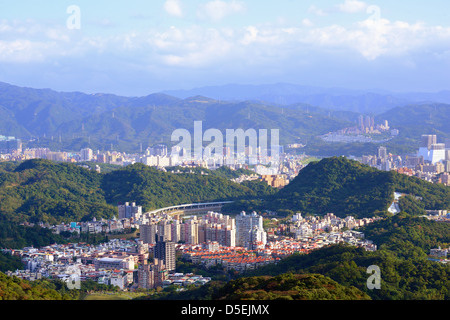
(346, 187)
(44, 191)
(285, 286)
(12, 288)
(101, 120)
(288, 287)
(41, 190)
(154, 189)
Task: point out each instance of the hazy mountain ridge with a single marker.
(102, 120)
(109, 119)
(363, 101)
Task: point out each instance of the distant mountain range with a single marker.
(367, 101)
(73, 120)
(100, 120)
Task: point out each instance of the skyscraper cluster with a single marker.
(432, 151)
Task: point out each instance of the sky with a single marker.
(137, 47)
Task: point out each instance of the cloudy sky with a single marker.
(137, 47)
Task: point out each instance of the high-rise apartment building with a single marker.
(249, 228)
(189, 231)
(430, 150)
(164, 231)
(175, 230)
(428, 140)
(148, 233)
(129, 211)
(86, 154)
(146, 276)
(382, 153)
(158, 150)
(165, 251)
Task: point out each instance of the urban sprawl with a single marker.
(211, 238)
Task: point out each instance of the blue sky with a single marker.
(138, 47)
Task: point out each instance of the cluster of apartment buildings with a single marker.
(311, 225)
(431, 163)
(246, 230)
(120, 263)
(238, 243)
(128, 218)
(86, 154)
(360, 133)
(94, 226)
(242, 259)
(108, 263)
(230, 258)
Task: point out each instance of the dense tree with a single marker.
(346, 187)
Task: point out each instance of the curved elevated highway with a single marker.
(192, 208)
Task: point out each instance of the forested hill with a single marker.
(155, 189)
(45, 191)
(99, 120)
(340, 186)
(431, 118)
(285, 286)
(346, 187)
(41, 190)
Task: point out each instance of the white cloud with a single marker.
(217, 10)
(352, 6)
(203, 47)
(307, 23)
(317, 11)
(173, 7)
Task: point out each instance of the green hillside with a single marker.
(288, 287)
(346, 187)
(154, 189)
(337, 185)
(12, 288)
(414, 120)
(45, 191)
(99, 120)
(41, 190)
